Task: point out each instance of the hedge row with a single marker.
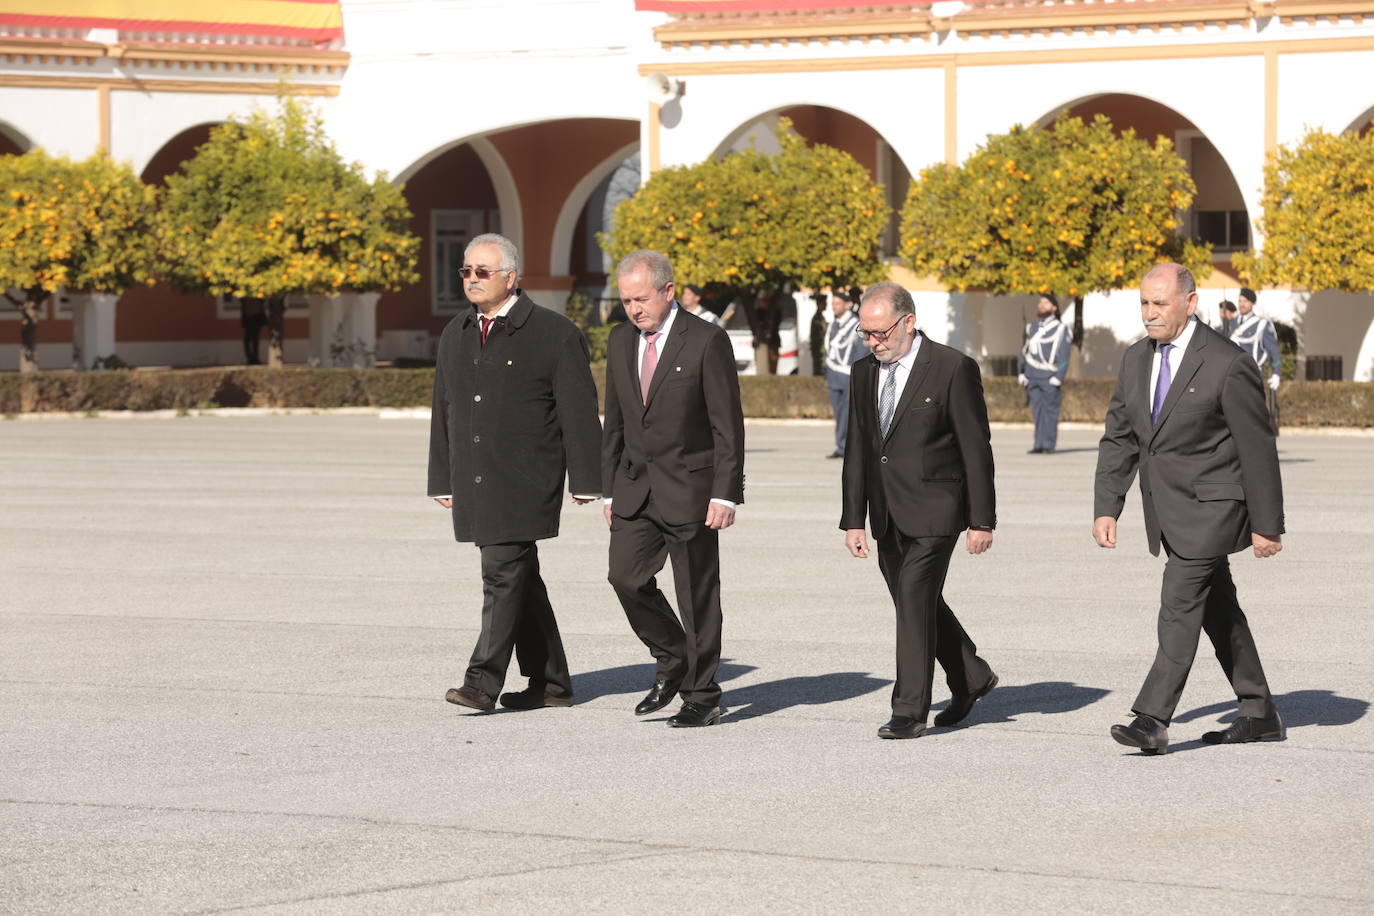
(1348, 404)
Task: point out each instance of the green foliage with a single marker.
(1075, 208)
(808, 217)
(267, 208)
(1318, 216)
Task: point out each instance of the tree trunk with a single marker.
(1078, 322)
(28, 335)
(276, 331)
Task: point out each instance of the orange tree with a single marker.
(1318, 216)
(82, 226)
(806, 217)
(1074, 209)
(267, 208)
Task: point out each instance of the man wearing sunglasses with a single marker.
(672, 464)
(918, 466)
(514, 411)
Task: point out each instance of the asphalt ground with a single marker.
(225, 641)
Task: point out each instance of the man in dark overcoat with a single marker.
(514, 411)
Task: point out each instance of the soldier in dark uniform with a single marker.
(1041, 366)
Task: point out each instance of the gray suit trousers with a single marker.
(1200, 595)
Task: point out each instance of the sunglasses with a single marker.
(483, 273)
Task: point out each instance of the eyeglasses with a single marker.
(483, 273)
(880, 336)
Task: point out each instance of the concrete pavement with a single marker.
(224, 644)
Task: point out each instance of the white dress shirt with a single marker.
(1175, 356)
(903, 371)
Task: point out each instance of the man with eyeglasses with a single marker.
(672, 464)
(918, 465)
(514, 410)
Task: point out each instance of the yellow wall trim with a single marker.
(1010, 58)
(114, 84)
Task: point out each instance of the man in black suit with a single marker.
(514, 409)
(1189, 414)
(672, 471)
(918, 463)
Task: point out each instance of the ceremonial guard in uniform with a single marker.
(843, 348)
(1255, 335)
(1227, 325)
(1041, 366)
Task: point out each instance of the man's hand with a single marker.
(607, 513)
(1104, 531)
(979, 540)
(445, 501)
(581, 501)
(1265, 546)
(718, 516)
(1274, 381)
(856, 539)
(1022, 381)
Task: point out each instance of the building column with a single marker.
(93, 327)
(326, 329)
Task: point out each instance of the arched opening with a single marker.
(12, 141)
(175, 152)
(590, 209)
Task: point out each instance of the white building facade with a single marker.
(533, 117)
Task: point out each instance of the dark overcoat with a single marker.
(510, 419)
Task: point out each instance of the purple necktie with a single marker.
(1162, 383)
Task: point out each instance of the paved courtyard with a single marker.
(225, 640)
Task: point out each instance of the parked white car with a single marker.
(743, 341)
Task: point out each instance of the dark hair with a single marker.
(855, 295)
(1227, 305)
(1248, 294)
(1053, 301)
(694, 288)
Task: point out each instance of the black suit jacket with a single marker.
(1209, 470)
(509, 419)
(933, 474)
(686, 445)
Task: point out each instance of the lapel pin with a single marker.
(510, 362)
(927, 400)
(1191, 390)
(677, 368)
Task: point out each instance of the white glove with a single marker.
(1055, 381)
(1274, 381)
(1022, 381)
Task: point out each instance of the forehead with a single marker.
(877, 311)
(1159, 288)
(484, 255)
(636, 282)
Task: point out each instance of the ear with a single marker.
(670, 290)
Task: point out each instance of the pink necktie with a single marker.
(646, 369)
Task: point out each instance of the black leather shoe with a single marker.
(1144, 733)
(471, 697)
(961, 704)
(836, 454)
(1034, 451)
(902, 727)
(695, 715)
(659, 696)
(532, 698)
(1249, 728)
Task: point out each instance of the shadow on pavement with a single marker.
(1298, 708)
(635, 679)
(815, 690)
(1008, 701)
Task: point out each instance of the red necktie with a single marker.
(486, 327)
(646, 369)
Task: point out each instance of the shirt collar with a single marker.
(667, 322)
(1181, 341)
(906, 362)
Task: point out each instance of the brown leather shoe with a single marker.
(532, 698)
(470, 697)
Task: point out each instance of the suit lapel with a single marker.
(1192, 361)
(630, 359)
(919, 369)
